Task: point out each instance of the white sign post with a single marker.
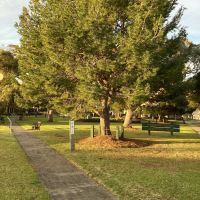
(71, 136)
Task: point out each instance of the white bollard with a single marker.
(71, 136)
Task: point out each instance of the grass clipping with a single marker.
(108, 142)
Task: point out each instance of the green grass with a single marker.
(166, 170)
(18, 181)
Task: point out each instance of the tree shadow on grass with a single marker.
(153, 142)
(175, 142)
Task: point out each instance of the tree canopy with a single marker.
(86, 55)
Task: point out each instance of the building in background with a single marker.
(196, 114)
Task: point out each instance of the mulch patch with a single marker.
(109, 142)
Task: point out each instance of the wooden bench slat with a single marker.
(161, 125)
(160, 129)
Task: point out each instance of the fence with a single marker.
(119, 132)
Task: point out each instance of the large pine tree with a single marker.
(106, 48)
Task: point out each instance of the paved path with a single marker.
(62, 180)
(195, 125)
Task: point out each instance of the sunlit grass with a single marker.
(167, 169)
(18, 181)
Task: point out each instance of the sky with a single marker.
(11, 9)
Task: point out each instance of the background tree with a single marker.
(161, 56)
(168, 88)
(194, 91)
(193, 65)
(31, 59)
(193, 77)
(8, 84)
(42, 79)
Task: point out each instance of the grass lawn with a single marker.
(169, 169)
(18, 181)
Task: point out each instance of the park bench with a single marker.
(36, 125)
(148, 126)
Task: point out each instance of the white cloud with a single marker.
(11, 9)
(9, 14)
(191, 19)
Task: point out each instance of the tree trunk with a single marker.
(50, 116)
(117, 115)
(105, 121)
(128, 118)
(159, 118)
(36, 112)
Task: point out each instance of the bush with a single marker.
(2, 119)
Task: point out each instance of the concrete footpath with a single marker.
(62, 180)
(195, 125)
